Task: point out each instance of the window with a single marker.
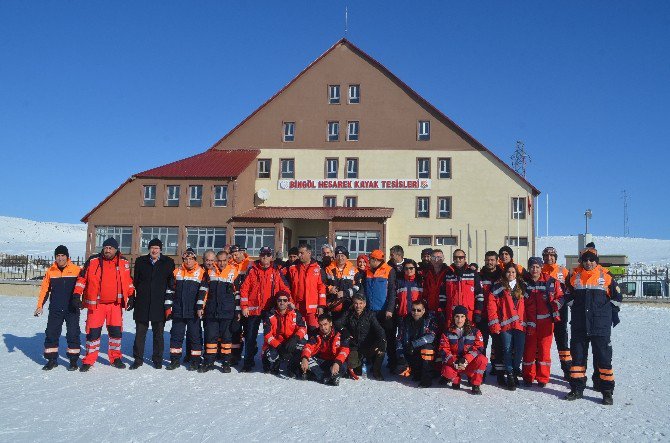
(423, 207)
(518, 208)
(122, 234)
(289, 131)
(357, 242)
(329, 201)
(255, 238)
(446, 240)
(287, 168)
(516, 241)
(423, 168)
(195, 195)
(333, 131)
(172, 195)
(424, 130)
(220, 195)
(168, 235)
(445, 167)
(332, 165)
(264, 167)
(444, 207)
(352, 168)
(150, 195)
(651, 289)
(204, 238)
(350, 202)
(354, 93)
(352, 131)
(628, 288)
(420, 240)
(334, 94)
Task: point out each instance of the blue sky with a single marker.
(92, 92)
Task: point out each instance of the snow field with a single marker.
(107, 404)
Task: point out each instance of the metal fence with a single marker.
(645, 285)
(31, 267)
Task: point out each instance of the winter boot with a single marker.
(194, 364)
(455, 386)
(377, 368)
(541, 385)
(574, 395)
(607, 398)
(85, 368)
(225, 367)
(118, 364)
(158, 364)
(136, 364)
(333, 380)
(528, 383)
(174, 363)
(426, 383)
(476, 390)
(51, 363)
(205, 367)
(502, 380)
(73, 364)
(511, 381)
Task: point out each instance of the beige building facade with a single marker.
(346, 153)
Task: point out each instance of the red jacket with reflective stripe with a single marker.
(433, 288)
(328, 348)
(93, 281)
(259, 288)
(542, 301)
(454, 346)
(407, 291)
(505, 313)
(488, 279)
(307, 287)
(278, 328)
(463, 288)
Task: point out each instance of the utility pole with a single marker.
(346, 20)
(520, 159)
(626, 228)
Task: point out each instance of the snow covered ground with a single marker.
(108, 404)
(22, 236)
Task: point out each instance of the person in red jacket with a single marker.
(433, 285)
(463, 288)
(106, 284)
(506, 317)
(284, 338)
(551, 267)
(462, 349)
(307, 287)
(257, 297)
(324, 355)
(488, 275)
(543, 299)
(506, 256)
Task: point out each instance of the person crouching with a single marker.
(415, 345)
(324, 355)
(284, 338)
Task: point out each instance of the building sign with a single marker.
(356, 184)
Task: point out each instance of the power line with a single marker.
(626, 226)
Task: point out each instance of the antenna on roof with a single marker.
(346, 19)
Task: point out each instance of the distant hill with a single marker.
(22, 236)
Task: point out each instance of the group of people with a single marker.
(323, 320)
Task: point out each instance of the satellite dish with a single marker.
(263, 194)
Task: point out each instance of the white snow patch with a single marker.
(23, 236)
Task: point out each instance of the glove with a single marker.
(76, 302)
(615, 318)
(130, 304)
(168, 314)
(272, 355)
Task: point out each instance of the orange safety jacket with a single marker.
(280, 327)
(186, 291)
(505, 313)
(341, 280)
(91, 281)
(260, 287)
(307, 287)
(58, 286)
(329, 347)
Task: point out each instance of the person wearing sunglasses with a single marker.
(324, 354)
(433, 284)
(558, 272)
(284, 338)
(463, 288)
(257, 297)
(416, 354)
(595, 300)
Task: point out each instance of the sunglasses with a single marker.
(459, 257)
(266, 255)
(410, 268)
(588, 259)
(282, 300)
(417, 310)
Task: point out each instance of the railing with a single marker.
(645, 285)
(31, 267)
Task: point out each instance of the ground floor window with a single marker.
(446, 240)
(420, 240)
(357, 242)
(254, 239)
(168, 235)
(204, 238)
(122, 234)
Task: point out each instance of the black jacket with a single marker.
(150, 282)
(364, 331)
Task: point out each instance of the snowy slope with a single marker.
(22, 236)
(108, 404)
(638, 250)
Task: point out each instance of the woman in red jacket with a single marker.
(506, 317)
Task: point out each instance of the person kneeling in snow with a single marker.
(284, 338)
(462, 347)
(325, 354)
(415, 345)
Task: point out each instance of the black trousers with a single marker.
(215, 329)
(289, 351)
(372, 353)
(421, 362)
(250, 325)
(54, 329)
(320, 369)
(390, 326)
(602, 360)
(483, 327)
(561, 338)
(157, 329)
(191, 328)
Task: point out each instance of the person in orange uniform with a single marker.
(543, 299)
(240, 259)
(105, 284)
(506, 256)
(558, 272)
(307, 287)
(340, 275)
(284, 337)
(58, 287)
(463, 288)
(324, 354)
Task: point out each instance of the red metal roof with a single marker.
(276, 213)
(209, 164)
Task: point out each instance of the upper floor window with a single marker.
(264, 167)
(350, 202)
(334, 94)
(352, 168)
(172, 198)
(424, 130)
(420, 240)
(287, 168)
(445, 167)
(423, 207)
(220, 195)
(195, 195)
(150, 195)
(354, 93)
(329, 201)
(289, 131)
(352, 131)
(332, 165)
(444, 207)
(518, 208)
(423, 168)
(333, 131)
